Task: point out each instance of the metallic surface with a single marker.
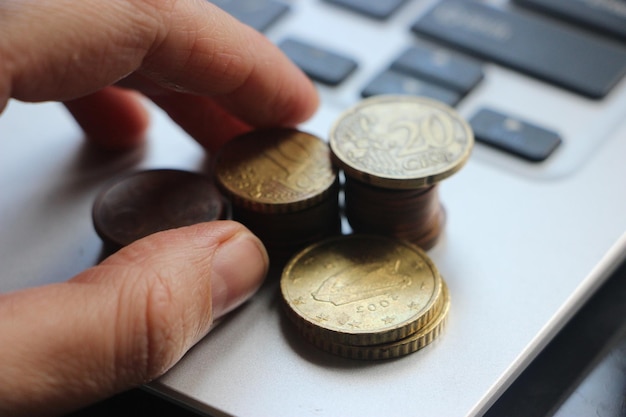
(414, 215)
(283, 234)
(283, 186)
(361, 290)
(394, 349)
(147, 202)
(524, 246)
(520, 251)
(275, 170)
(402, 142)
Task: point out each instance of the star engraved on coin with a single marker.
(396, 348)
(322, 317)
(414, 306)
(298, 301)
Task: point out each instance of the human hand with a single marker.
(214, 76)
(129, 319)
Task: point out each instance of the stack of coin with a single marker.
(365, 296)
(394, 150)
(283, 186)
(145, 202)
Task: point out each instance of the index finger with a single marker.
(77, 48)
(247, 74)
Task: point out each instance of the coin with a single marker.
(283, 234)
(394, 349)
(147, 202)
(293, 225)
(400, 142)
(283, 186)
(361, 289)
(276, 170)
(415, 215)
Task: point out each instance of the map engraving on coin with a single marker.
(401, 141)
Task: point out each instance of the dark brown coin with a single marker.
(147, 202)
(414, 215)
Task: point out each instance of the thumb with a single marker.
(125, 321)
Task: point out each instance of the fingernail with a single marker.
(239, 267)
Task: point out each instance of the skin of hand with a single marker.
(127, 320)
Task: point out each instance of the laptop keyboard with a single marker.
(583, 63)
(574, 45)
(604, 16)
(320, 64)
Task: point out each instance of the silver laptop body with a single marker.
(525, 244)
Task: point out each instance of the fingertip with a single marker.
(302, 103)
(202, 118)
(286, 94)
(240, 265)
(233, 64)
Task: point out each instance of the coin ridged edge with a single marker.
(282, 208)
(396, 349)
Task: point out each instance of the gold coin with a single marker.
(400, 142)
(361, 289)
(395, 349)
(276, 170)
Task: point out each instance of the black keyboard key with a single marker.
(319, 64)
(260, 14)
(513, 135)
(378, 9)
(391, 82)
(589, 65)
(442, 67)
(605, 16)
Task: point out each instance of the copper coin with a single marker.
(414, 215)
(146, 202)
